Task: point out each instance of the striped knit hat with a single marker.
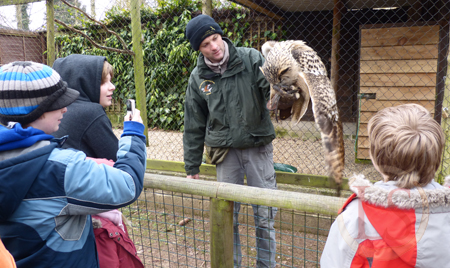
(29, 89)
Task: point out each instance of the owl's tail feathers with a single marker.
(333, 142)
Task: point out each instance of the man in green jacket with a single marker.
(225, 110)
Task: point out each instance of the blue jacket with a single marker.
(47, 194)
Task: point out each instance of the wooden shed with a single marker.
(16, 45)
(398, 64)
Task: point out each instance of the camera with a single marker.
(131, 105)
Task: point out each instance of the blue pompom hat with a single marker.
(199, 28)
(29, 89)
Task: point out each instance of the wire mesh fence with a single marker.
(380, 54)
(172, 229)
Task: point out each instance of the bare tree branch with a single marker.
(126, 51)
(96, 21)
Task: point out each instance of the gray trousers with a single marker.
(257, 165)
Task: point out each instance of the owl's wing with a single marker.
(326, 116)
(301, 104)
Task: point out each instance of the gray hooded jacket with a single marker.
(85, 121)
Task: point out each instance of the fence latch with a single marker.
(367, 96)
(445, 112)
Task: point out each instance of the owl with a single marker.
(297, 75)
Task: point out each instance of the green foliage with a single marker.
(168, 56)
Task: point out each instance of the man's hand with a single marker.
(195, 177)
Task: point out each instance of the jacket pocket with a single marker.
(215, 138)
(70, 228)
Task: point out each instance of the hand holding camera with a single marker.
(133, 114)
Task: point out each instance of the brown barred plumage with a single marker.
(296, 75)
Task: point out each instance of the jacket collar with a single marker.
(235, 63)
(386, 194)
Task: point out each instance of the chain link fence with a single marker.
(172, 229)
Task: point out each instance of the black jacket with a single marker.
(85, 121)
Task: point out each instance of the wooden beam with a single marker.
(307, 180)
(311, 203)
(50, 33)
(138, 62)
(17, 2)
(258, 7)
(338, 10)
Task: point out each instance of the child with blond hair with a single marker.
(401, 221)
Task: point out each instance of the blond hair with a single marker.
(406, 144)
(107, 69)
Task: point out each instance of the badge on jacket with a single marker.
(206, 86)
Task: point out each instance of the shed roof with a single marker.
(277, 8)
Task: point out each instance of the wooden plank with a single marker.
(401, 93)
(17, 2)
(400, 52)
(399, 66)
(400, 36)
(363, 142)
(364, 116)
(325, 205)
(375, 105)
(398, 80)
(363, 130)
(363, 153)
(307, 180)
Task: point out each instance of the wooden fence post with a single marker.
(207, 7)
(445, 124)
(221, 228)
(138, 62)
(50, 33)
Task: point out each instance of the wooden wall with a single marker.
(397, 65)
(22, 46)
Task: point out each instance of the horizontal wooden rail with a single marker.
(321, 204)
(307, 180)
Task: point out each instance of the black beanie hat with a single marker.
(29, 89)
(199, 28)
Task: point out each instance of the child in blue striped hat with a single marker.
(47, 193)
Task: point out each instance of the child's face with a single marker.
(106, 91)
(49, 121)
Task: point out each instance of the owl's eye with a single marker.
(284, 71)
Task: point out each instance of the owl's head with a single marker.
(281, 71)
(280, 68)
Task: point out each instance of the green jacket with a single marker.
(226, 110)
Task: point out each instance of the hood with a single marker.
(82, 73)
(21, 165)
(17, 137)
(387, 194)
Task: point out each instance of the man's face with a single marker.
(213, 48)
